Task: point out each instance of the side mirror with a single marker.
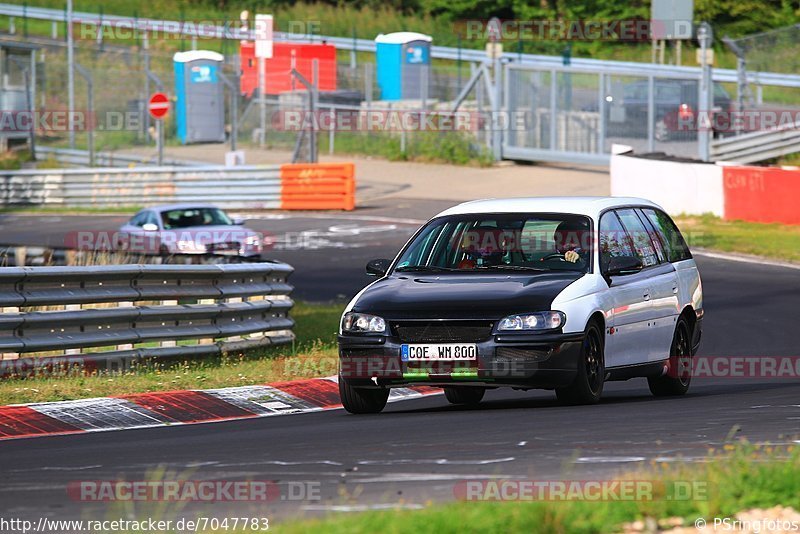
(622, 265)
(378, 267)
(238, 221)
(150, 227)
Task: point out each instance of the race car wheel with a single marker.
(464, 395)
(677, 380)
(588, 384)
(362, 400)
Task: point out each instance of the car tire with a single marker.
(679, 378)
(464, 395)
(587, 388)
(362, 400)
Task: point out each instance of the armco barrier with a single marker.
(320, 186)
(113, 315)
(678, 186)
(762, 194)
(308, 187)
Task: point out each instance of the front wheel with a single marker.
(588, 384)
(679, 375)
(464, 394)
(362, 400)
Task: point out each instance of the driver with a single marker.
(571, 239)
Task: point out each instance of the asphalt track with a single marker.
(420, 449)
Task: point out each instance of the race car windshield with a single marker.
(191, 217)
(508, 242)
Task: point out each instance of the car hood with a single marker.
(462, 296)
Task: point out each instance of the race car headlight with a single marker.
(362, 323)
(548, 320)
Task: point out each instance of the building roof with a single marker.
(402, 38)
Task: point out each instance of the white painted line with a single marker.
(744, 259)
(609, 459)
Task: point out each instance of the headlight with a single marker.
(361, 323)
(549, 320)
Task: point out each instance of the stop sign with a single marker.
(158, 106)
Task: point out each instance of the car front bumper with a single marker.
(516, 360)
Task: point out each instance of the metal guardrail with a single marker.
(121, 314)
(246, 187)
(758, 146)
(207, 31)
(80, 158)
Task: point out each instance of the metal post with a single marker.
(497, 133)
(553, 109)
(601, 107)
(704, 131)
(651, 113)
(368, 84)
(353, 59)
(87, 76)
(423, 89)
(314, 99)
(262, 102)
(458, 62)
(233, 87)
(159, 123)
(332, 132)
(146, 59)
(70, 75)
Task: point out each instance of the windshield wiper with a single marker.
(423, 269)
(504, 266)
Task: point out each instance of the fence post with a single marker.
(706, 38)
(651, 113)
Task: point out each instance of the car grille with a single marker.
(443, 331)
(228, 246)
(510, 354)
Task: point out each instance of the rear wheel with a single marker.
(362, 400)
(679, 376)
(588, 385)
(464, 394)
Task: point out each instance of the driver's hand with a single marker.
(572, 256)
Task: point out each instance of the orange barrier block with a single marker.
(318, 186)
(762, 194)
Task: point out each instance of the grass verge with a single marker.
(314, 354)
(777, 241)
(736, 478)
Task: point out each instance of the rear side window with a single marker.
(670, 235)
(641, 237)
(614, 241)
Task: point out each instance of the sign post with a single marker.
(158, 107)
(264, 41)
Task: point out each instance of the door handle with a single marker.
(675, 289)
(646, 296)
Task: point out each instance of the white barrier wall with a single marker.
(679, 187)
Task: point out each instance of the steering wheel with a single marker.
(553, 256)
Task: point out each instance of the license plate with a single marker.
(439, 352)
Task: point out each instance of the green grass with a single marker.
(777, 241)
(734, 479)
(314, 354)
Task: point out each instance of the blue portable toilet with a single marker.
(404, 61)
(200, 105)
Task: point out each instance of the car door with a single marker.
(663, 282)
(627, 333)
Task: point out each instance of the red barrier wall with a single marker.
(279, 79)
(762, 194)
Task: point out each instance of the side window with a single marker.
(614, 242)
(642, 245)
(670, 235)
(654, 237)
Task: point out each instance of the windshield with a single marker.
(508, 242)
(190, 217)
